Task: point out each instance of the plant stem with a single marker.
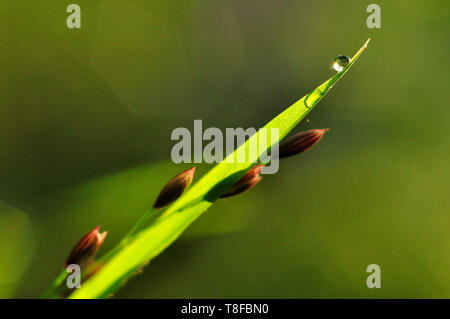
(139, 224)
(55, 284)
(146, 217)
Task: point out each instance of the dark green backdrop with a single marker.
(86, 117)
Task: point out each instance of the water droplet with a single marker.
(340, 62)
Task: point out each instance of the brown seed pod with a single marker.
(250, 179)
(174, 188)
(86, 248)
(300, 142)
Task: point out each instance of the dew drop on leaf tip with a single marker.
(340, 62)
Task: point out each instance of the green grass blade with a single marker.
(170, 225)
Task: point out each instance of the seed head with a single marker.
(250, 179)
(174, 188)
(86, 248)
(300, 142)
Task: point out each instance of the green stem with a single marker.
(126, 239)
(55, 284)
(139, 224)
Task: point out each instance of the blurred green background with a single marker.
(86, 117)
